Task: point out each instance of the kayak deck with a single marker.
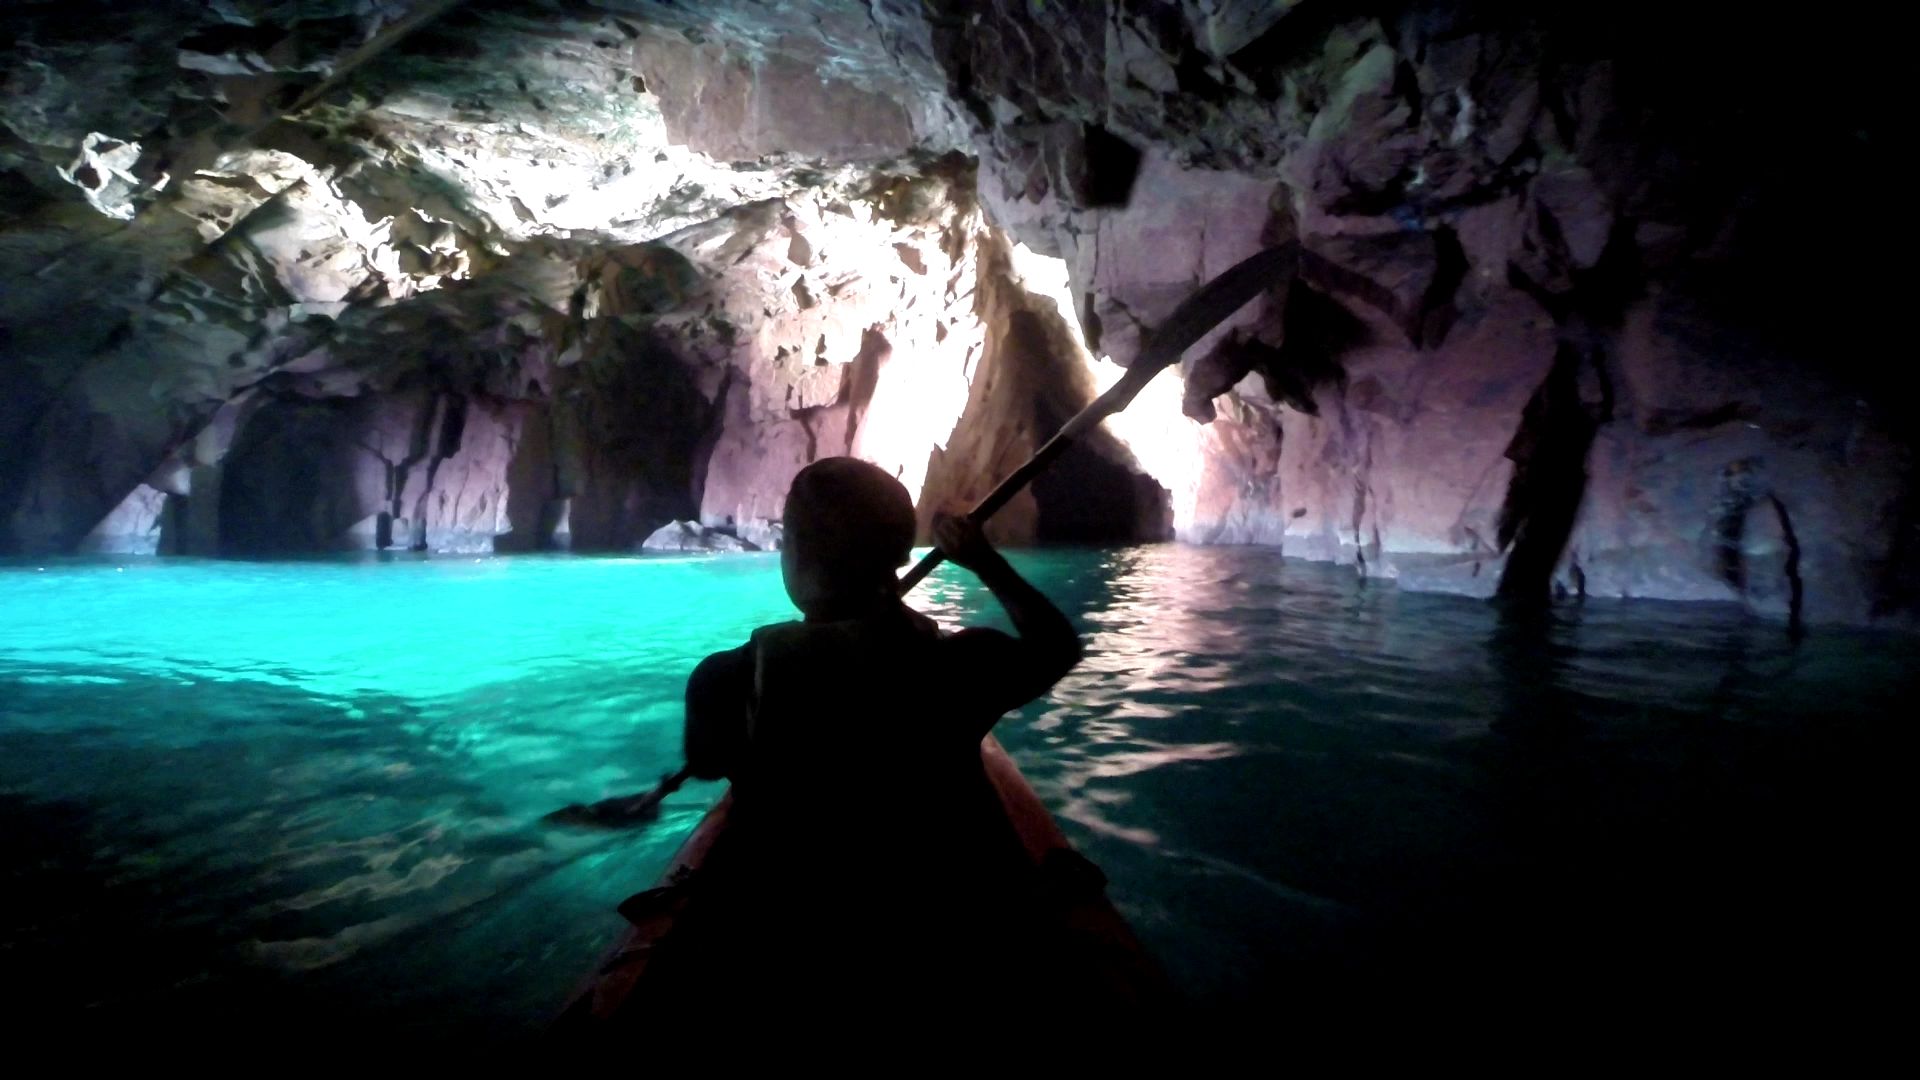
(1085, 924)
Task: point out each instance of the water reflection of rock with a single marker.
(1307, 790)
(1527, 653)
(1716, 837)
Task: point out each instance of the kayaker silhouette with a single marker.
(879, 864)
(1196, 316)
(849, 527)
(861, 714)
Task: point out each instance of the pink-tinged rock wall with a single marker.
(731, 107)
(411, 470)
(899, 333)
(255, 255)
(856, 322)
(1029, 378)
(581, 396)
(1556, 327)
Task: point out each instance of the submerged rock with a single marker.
(692, 536)
(761, 535)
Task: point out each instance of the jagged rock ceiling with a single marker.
(1579, 302)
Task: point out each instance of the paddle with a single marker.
(1190, 322)
(623, 811)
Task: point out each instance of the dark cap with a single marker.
(851, 518)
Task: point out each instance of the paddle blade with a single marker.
(1198, 314)
(624, 812)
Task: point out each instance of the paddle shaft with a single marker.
(1086, 420)
(1189, 322)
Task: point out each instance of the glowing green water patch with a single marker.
(422, 628)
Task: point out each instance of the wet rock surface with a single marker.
(1585, 300)
(691, 536)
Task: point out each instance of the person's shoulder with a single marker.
(979, 639)
(777, 629)
(725, 664)
(774, 635)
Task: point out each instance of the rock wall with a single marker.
(1554, 329)
(576, 395)
(1584, 300)
(1031, 375)
(861, 321)
(410, 470)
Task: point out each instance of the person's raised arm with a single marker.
(1014, 670)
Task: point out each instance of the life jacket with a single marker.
(857, 767)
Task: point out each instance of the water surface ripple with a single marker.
(294, 791)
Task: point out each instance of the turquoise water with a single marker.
(305, 796)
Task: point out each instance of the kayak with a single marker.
(1083, 923)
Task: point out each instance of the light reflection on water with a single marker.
(317, 783)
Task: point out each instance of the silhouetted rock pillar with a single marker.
(1549, 455)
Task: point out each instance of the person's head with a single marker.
(847, 529)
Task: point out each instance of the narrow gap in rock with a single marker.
(1111, 165)
(1549, 455)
